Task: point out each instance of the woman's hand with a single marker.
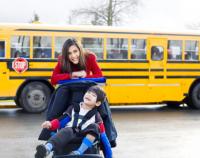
(79, 74)
(46, 124)
(82, 74)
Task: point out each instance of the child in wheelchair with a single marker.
(80, 119)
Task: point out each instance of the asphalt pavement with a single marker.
(143, 132)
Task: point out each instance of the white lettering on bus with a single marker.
(20, 65)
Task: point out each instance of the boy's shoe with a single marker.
(76, 152)
(41, 151)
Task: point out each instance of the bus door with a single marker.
(2, 57)
(157, 50)
(3, 66)
(2, 48)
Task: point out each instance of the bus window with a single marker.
(2, 49)
(20, 46)
(95, 45)
(59, 41)
(191, 50)
(174, 50)
(42, 47)
(117, 48)
(138, 49)
(157, 53)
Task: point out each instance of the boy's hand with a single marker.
(46, 124)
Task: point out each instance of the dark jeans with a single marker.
(67, 134)
(58, 103)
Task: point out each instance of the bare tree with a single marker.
(193, 26)
(109, 12)
(35, 19)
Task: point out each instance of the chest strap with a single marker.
(88, 116)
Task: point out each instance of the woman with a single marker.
(74, 63)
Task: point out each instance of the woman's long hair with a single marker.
(66, 65)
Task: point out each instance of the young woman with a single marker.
(75, 63)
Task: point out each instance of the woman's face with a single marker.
(74, 54)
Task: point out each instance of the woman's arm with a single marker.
(57, 75)
(93, 67)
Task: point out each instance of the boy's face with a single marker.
(90, 99)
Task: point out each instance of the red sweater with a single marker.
(92, 70)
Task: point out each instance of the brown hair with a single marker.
(66, 65)
(101, 95)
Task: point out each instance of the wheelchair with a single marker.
(76, 89)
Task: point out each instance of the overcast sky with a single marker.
(150, 14)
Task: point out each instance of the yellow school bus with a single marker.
(141, 67)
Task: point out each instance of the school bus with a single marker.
(141, 67)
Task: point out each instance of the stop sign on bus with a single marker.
(20, 65)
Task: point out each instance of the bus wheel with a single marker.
(35, 97)
(194, 97)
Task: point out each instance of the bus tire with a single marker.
(194, 97)
(34, 97)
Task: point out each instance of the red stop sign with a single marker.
(20, 65)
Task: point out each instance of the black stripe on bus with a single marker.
(30, 60)
(156, 70)
(108, 77)
(103, 69)
(124, 69)
(7, 98)
(131, 69)
(29, 77)
(126, 77)
(51, 69)
(99, 60)
(172, 77)
(159, 77)
(184, 62)
(183, 70)
(35, 69)
(105, 32)
(40, 69)
(122, 61)
(42, 60)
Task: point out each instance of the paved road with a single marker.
(156, 132)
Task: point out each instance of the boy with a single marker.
(82, 119)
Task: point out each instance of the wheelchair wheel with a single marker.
(79, 156)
